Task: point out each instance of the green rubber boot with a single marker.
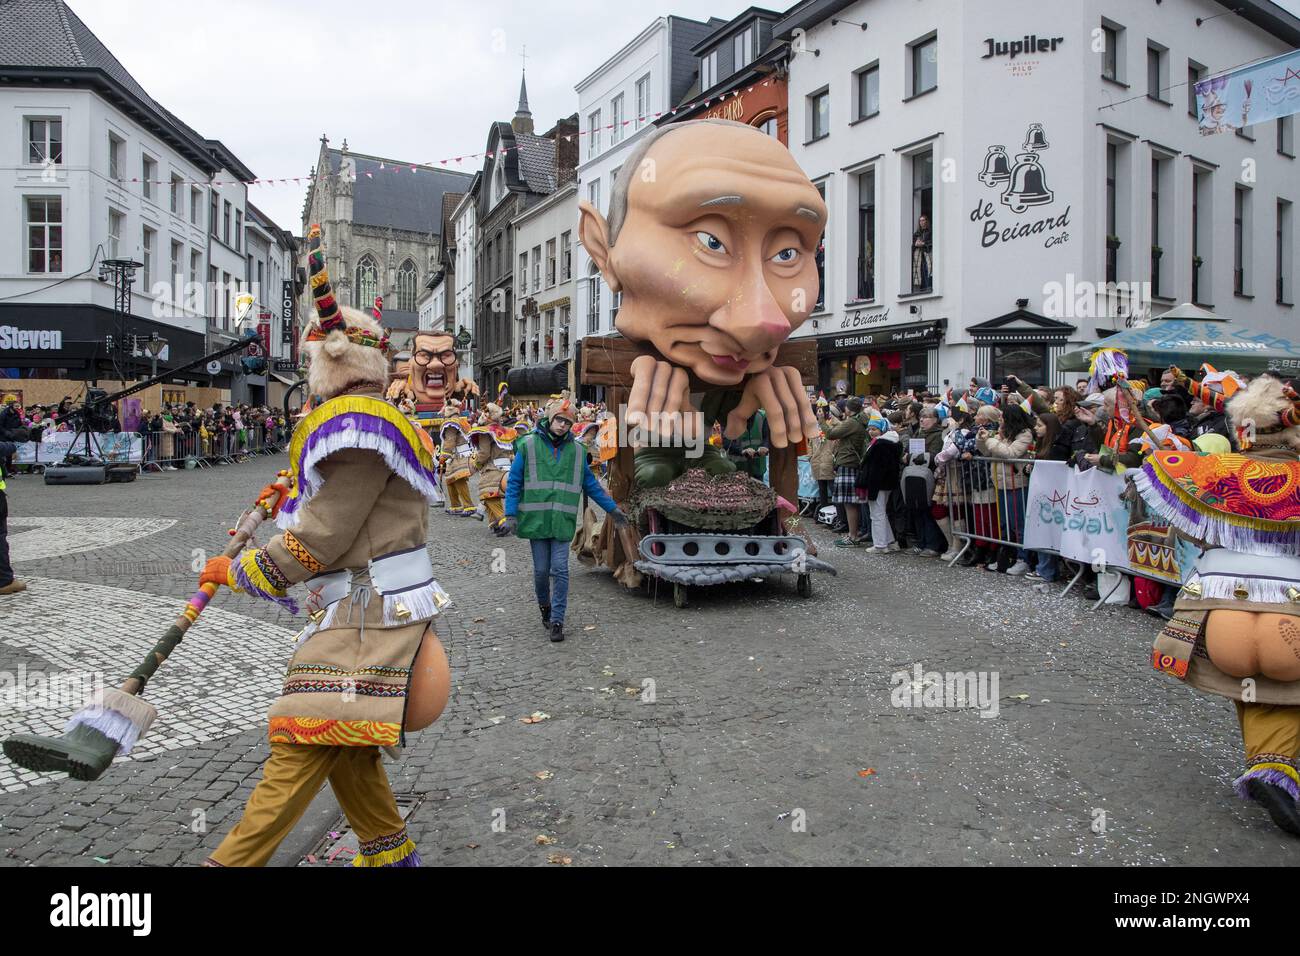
(714, 461)
(657, 467)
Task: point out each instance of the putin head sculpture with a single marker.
(710, 238)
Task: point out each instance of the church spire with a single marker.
(523, 121)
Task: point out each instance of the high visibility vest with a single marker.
(548, 507)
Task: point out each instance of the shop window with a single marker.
(1026, 361)
(916, 370)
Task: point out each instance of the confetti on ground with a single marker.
(544, 775)
(869, 772)
(544, 840)
(560, 859)
(536, 717)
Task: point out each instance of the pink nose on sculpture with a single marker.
(754, 319)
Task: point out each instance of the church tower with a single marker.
(523, 121)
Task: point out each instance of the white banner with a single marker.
(55, 446)
(1077, 514)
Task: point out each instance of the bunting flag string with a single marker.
(384, 166)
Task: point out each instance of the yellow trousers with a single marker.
(458, 496)
(291, 777)
(496, 509)
(1271, 734)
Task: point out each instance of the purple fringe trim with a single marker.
(358, 422)
(114, 726)
(1268, 775)
(412, 860)
(247, 585)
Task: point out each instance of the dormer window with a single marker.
(708, 71)
(743, 48)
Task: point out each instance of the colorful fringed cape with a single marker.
(1229, 501)
(356, 421)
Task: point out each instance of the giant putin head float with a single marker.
(711, 238)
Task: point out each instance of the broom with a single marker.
(118, 717)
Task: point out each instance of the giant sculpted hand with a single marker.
(660, 400)
(463, 388)
(780, 393)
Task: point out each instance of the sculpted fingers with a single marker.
(740, 415)
(766, 386)
(806, 416)
(643, 370)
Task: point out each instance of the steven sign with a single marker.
(45, 339)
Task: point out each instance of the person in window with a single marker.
(922, 256)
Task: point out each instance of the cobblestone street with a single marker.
(771, 736)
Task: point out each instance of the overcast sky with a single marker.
(416, 81)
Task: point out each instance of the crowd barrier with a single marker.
(988, 503)
(152, 451)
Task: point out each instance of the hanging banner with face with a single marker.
(1258, 93)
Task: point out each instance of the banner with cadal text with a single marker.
(55, 446)
(1077, 514)
(1258, 93)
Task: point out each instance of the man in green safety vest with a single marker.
(7, 583)
(543, 498)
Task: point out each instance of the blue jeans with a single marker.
(551, 560)
(1046, 568)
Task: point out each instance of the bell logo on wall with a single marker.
(997, 167)
(1027, 186)
(1035, 138)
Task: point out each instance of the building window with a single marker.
(178, 270)
(116, 223)
(148, 173)
(593, 299)
(1025, 360)
(116, 152)
(708, 71)
(212, 213)
(196, 203)
(196, 260)
(537, 268)
(642, 100)
(214, 291)
(1157, 72)
(819, 114)
(925, 66)
(922, 251)
(867, 235)
(1112, 212)
(407, 280)
(550, 263)
(1201, 239)
(44, 141)
(146, 256)
(1159, 170)
(819, 258)
(367, 282)
(1195, 73)
(742, 48)
(176, 203)
(44, 234)
(616, 118)
(1241, 284)
(523, 274)
(770, 127)
(566, 256)
(1282, 251)
(867, 90)
(239, 229)
(225, 222)
(487, 262)
(1112, 56)
(593, 134)
(225, 300)
(593, 193)
(1286, 136)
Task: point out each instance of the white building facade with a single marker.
(618, 102)
(464, 219)
(1054, 149)
(545, 235)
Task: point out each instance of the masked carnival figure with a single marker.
(456, 460)
(368, 668)
(494, 450)
(1236, 625)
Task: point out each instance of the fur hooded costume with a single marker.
(1266, 420)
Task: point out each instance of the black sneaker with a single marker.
(546, 615)
(557, 632)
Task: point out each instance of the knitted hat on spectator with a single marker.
(879, 424)
(561, 406)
